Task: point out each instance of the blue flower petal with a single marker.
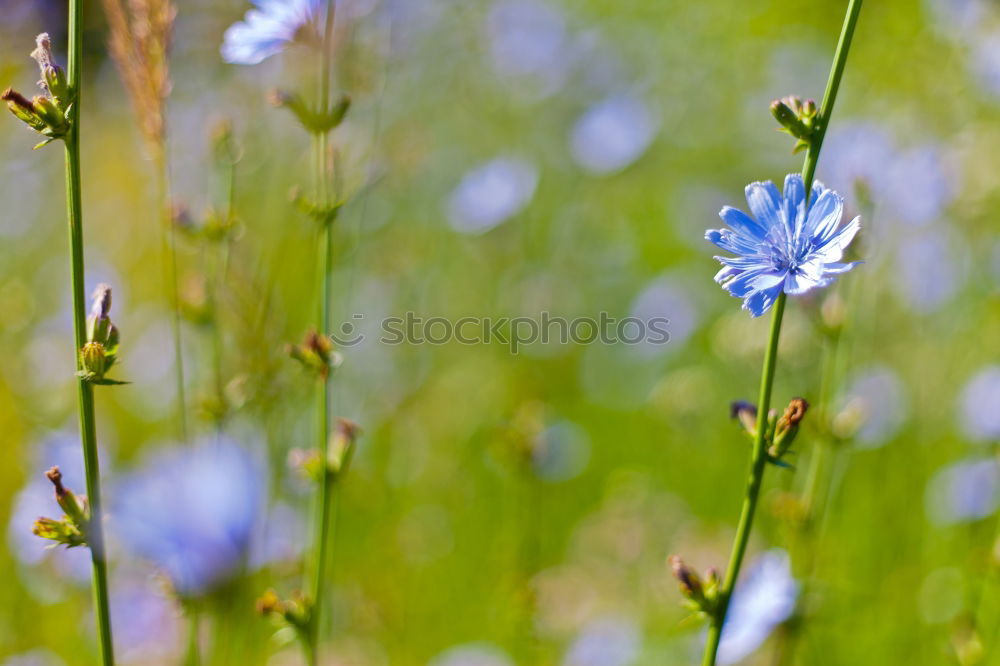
(832, 249)
(765, 203)
(742, 223)
(793, 205)
(825, 212)
(761, 301)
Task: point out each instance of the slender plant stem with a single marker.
(85, 390)
(193, 656)
(759, 458)
(758, 461)
(171, 276)
(326, 491)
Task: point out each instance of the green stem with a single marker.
(85, 390)
(324, 503)
(173, 289)
(758, 461)
(193, 656)
(759, 458)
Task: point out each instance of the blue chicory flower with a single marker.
(193, 512)
(761, 602)
(785, 246)
(268, 29)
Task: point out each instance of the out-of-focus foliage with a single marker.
(510, 157)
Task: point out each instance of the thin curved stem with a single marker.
(752, 494)
(85, 390)
(759, 458)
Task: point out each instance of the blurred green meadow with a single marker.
(507, 158)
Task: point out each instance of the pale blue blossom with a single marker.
(606, 641)
(963, 492)
(491, 193)
(979, 402)
(193, 512)
(266, 30)
(612, 134)
(761, 601)
(472, 654)
(784, 247)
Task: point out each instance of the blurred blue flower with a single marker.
(761, 601)
(930, 268)
(612, 134)
(873, 408)
(786, 248)
(268, 29)
(528, 39)
(491, 193)
(962, 492)
(147, 626)
(918, 187)
(192, 511)
(979, 401)
(607, 641)
(985, 63)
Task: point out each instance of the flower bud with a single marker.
(75, 508)
(93, 359)
(690, 583)
(746, 413)
(787, 427)
(341, 448)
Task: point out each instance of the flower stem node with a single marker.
(71, 531)
(797, 118)
(314, 121)
(46, 114)
(323, 215)
(294, 614)
(316, 354)
(702, 596)
(339, 454)
(779, 433)
(100, 351)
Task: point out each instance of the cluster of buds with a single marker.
(340, 451)
(71, 530)
(702, 596)
(779, 433)
(314, 121)
(797, 118)
(47, 114)
(101, 349)
(295, 613)
(213, 227)
(316, 354)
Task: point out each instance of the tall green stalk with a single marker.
(85, 390)
(171, 277)
(759, 458)
(325, 496)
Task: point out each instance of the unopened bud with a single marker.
(787, 427)
(93, 358)
(101, 301)
(342, 445)
(688, 580)
(746, 414)
(75, 508)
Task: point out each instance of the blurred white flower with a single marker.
(491, 193)
(612, 134)
(963, 491)
(608, 641)
(980, 405)
(761, 601)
